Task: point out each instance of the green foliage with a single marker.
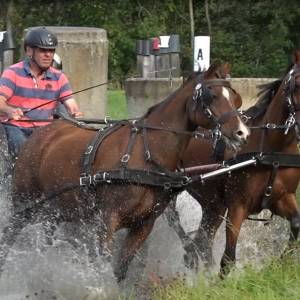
(256, 37)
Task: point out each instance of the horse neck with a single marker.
(271, 139)
(173, 114)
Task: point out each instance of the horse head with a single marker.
(214, 97)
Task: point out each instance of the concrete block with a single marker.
(84, 53)
(142, 93)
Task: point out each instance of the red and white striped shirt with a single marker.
(21, 89)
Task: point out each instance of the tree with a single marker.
(255, 36)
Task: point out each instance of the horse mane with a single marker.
(171, 96)
(265, 96)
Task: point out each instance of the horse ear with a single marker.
(226, 70)
(296, 57)
(213, 67)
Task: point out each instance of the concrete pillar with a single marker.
(84, 53)
(146, 68)
(142, 93)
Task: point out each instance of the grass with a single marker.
(116, 104)
(278, 279)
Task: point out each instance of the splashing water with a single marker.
(35, 270)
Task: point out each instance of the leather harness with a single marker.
(158, 176)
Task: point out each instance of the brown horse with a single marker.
(123, 172)
(248, 191)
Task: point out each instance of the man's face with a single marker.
(42, 57)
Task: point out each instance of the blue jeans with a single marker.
(16, 137)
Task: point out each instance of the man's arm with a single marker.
(73, 108)
(9, 111)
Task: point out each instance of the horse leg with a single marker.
(133, 241)
(234, 220)
(212, 218)
(286, 207)
(191, 256)
(108, 225)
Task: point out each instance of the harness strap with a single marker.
(267, 221)
(88, 156)
(125, 158)
(149, 157)
(269, 187)
(217, 82)
(275, 160)
(262, 140)
(269, 126)
(283, 159)
(266, 158)
(193, 134)
(138, 177)
(227, 116)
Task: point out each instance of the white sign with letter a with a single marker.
(201, 53)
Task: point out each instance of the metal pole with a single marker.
(227, 169)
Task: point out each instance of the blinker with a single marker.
(202, 94)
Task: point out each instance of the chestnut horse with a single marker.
(123, 172)
(248, 191)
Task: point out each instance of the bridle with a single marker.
(293, 107)
(203, 96)
(289, 86)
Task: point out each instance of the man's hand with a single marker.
(73, 108)
(14, 113)
(9, 112)
(77, 114)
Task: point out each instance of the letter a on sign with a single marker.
(201, 53)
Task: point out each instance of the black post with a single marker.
(1, 50)
(6, 49)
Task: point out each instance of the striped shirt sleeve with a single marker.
(8, 83)
(65, 88)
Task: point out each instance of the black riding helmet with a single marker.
(40, 38)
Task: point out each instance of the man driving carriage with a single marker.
(31, 89)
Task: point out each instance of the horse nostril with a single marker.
(239, 133)
(241, 136)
